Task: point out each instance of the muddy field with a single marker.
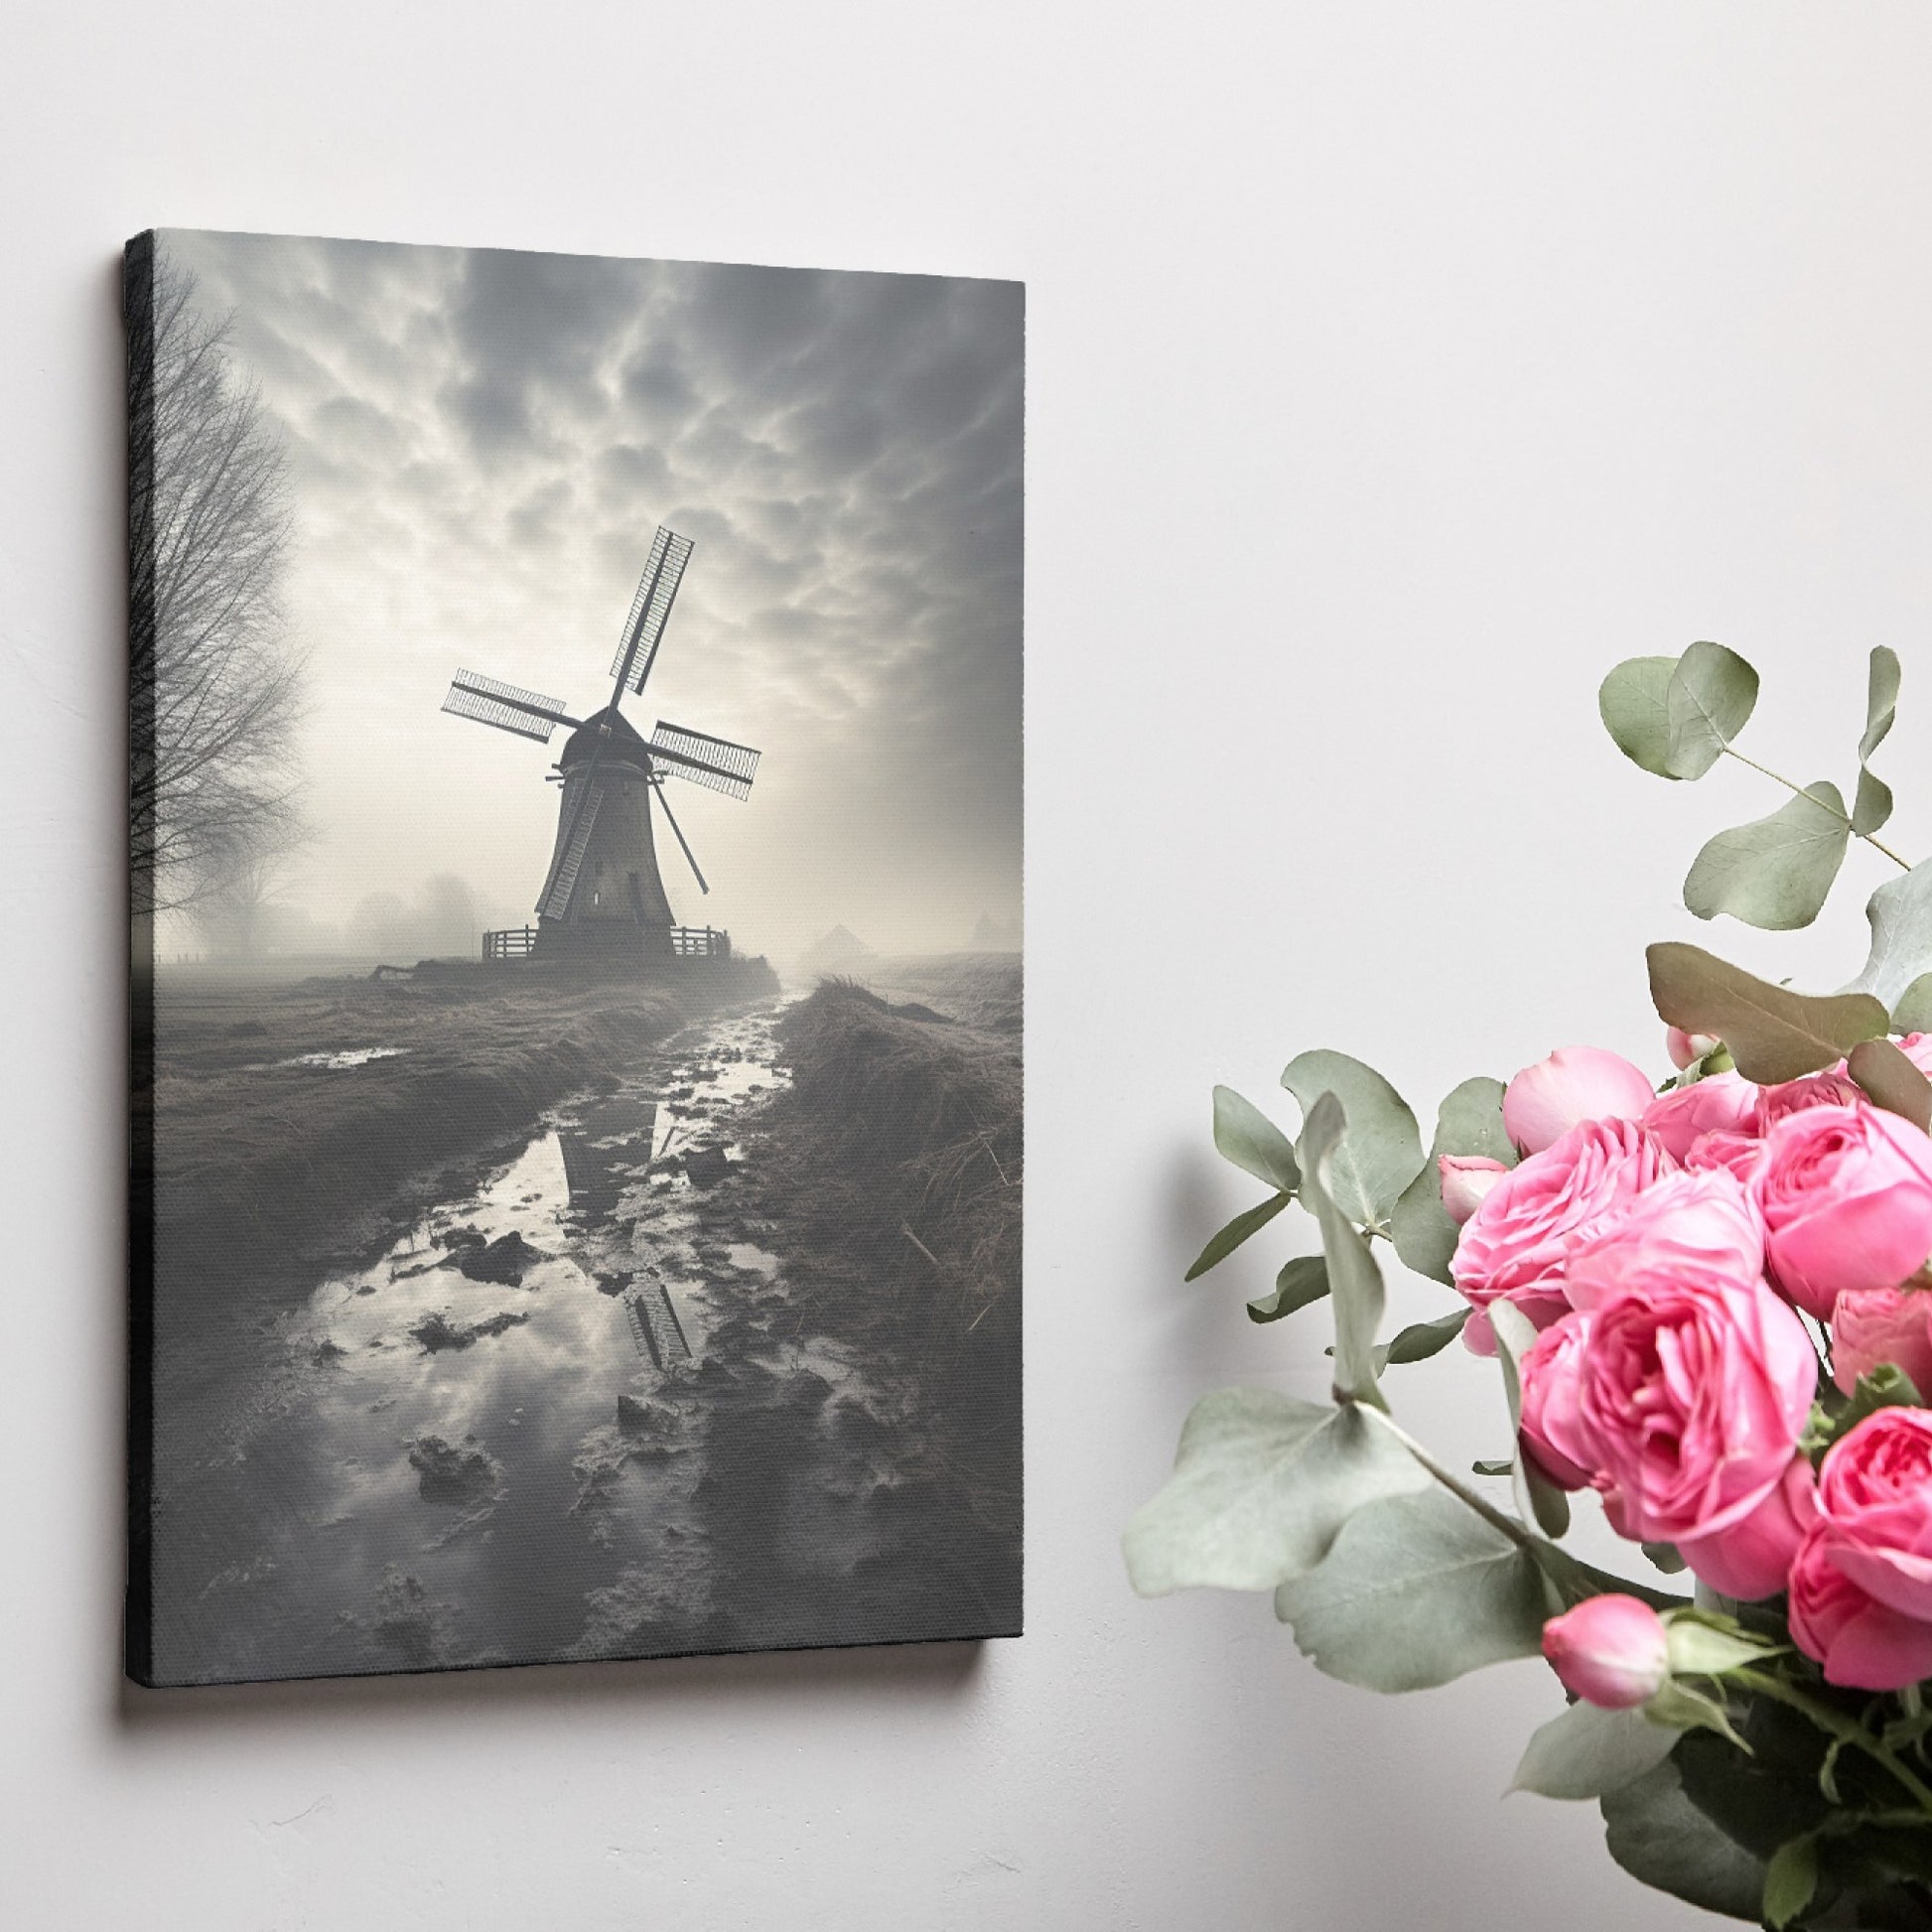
(607, 1370)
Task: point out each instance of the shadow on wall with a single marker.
(934, 1676)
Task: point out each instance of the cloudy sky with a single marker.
(481, 444)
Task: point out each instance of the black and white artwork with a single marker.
(575, 855)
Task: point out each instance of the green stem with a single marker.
(1483, 1507)
(1835, 1723)
(1778, 777)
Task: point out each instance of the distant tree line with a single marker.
(217, 677)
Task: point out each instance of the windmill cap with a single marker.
(624, 742)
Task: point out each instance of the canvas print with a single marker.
(575, 822)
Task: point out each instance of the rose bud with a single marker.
(1870, 1325)
(1753, 1557)
(1612, 1651)
(1686, 1050)
(1466, 1177)
(1846, 1193)
(1720, 1103)
(1575, 1083)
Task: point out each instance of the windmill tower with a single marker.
(603, 897)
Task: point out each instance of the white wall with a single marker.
(1393, 369)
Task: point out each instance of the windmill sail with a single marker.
(556, 902)
(510, 708)
(706, 761)
(650, 608)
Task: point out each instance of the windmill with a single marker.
(603, 897)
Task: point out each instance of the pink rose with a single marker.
(1611, 1650)
(1575, 1083)
(1698, 1226)
(1870, 1325)
(1694, 1390)
(1875, 1492)
(1736, 1154)
(1466, 1177)
(1686, 1050)
(1519, 1240)
(1753, 1557)
(1720, 1103)
(1833, 1088)
(1846, 1193)
(1552, 1433)
(1862, 1643)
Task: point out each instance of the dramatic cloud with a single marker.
(483, 444)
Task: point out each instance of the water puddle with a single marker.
(339, 1060)
(574, 1412)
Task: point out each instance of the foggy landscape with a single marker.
(572, 1221)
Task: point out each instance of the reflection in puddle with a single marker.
(573, 1414)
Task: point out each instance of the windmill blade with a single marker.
(650, 608)
(510, 708)
(556, 895)
(690, 858)
(706, 761)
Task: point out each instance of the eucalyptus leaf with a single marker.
(1223, 1244)
(1708, 700)
(1655, 1832)
(1900, 912)
(1913, 1011)
(1381, 1151)
(1538, 1499)
(1872, 803)
(1418, 1589)
(1354, 1279)
(1262, 1484)
(1772, 1033)
(1471, 1122)
(1872, 806)
(1301, 1281)
(1666, 1555)
(1246, 1136)
(1790, 1880)
(1881, 700)
(1892, 1081)
(1588, 1751)
(1774, 873)
(1422, 1339)
(1632, 704)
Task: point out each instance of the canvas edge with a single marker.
(137, 312)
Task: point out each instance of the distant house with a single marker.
(840, 951)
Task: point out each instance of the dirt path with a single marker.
(578, 1412)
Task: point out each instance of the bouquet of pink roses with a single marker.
(1711, 1307)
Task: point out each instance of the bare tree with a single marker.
(216, 680)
